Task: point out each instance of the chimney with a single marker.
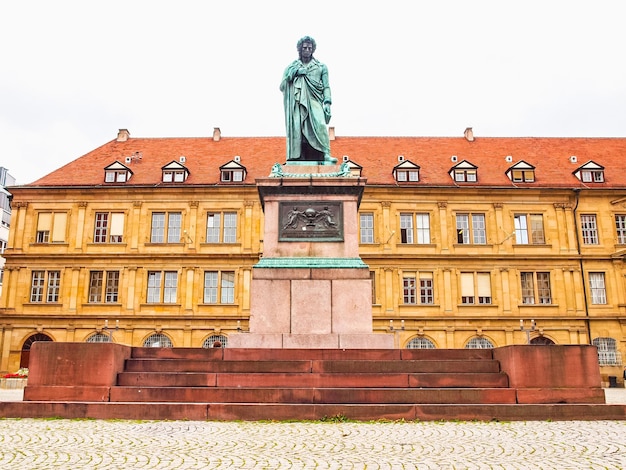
(217, 134)
(331, 133)
(123, 135)
(469, 134)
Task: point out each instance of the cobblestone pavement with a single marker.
(103, 444)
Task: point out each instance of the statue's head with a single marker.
(306, 39)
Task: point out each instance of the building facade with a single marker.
(471, 242)
(5, 206)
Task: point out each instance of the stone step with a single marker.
(360, 412)
(313, 380)
(314, 366)
(255, 354)
(194, 365)
(311, 395)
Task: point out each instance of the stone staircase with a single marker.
(111, 381)
(297, 377)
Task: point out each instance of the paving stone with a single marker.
(100, 444)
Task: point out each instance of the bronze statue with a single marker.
(306, 96)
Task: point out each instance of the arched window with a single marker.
(542, 340)
(99, 338)
(211, 340)
(608, 355)
(157, 340)
(25, 356)
(478, 342)
(420, 343)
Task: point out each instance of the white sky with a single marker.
(74, 72)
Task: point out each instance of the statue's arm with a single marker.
(326, 84)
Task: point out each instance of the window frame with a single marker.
(620, 228)
(225, 231)
(415, 228)
(471, 228)
(160, 288)
(166, 227)
(465, 175)
(221, 289)
(531, 231)
(105, 226)
(597, 288)
(366, 228)
(475, 288)
(589, 229)
(534, 285)
(45, 286)
(49, 231)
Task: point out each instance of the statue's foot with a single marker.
(329, 159)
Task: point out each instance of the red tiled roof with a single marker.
(377, 155)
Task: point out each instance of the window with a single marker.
(162, 220)
(426, 289)
(162, 287)
(529, 229)
(589, 229)
(535, 288)
(3, 246)
(598, 288)
(99, 338)
(409, 290)
(407, 175)
(420, 343)
(219, 285)
(216, 233)
(421, 233)
(471, 233)
(608, 355)
(211, 340)
(234, 176)
(366, 224)
(523, 176)
(592, 176)
(45, 286)
(108, 227)
(174, 176)
(100, 289)
(157, 340)
(116, 176)
(51, 227)
(464, 176)
(475, 286)
(479, 342)
(620, 226)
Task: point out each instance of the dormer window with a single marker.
(117, 173)
(592, 176)
(233, 172)
(464, 172)
(521, 172)
(174, 172)
(355, 168)
(590, 172)
(406, 172)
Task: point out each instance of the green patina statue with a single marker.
(306, 94)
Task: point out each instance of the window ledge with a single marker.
(537, 305)
(124, 244)
(102, 304)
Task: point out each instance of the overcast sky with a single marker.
(74, 72)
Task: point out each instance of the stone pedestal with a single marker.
(311, 289)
